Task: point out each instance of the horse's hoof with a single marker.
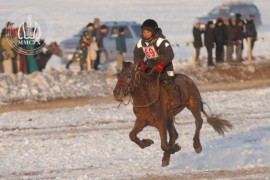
(165, 163)
(177, 148)
(198, 150)
(147, 142)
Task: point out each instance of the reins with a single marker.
(157, 94)
(137, 79)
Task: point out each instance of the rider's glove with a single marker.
(142, 66)
(160, 67)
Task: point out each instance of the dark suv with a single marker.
(230, 9)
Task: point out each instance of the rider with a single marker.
(154, 51)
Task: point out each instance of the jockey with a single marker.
(154, 51)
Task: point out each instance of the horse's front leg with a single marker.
(138, 127)
(173, 136)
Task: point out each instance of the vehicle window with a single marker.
(252, 10)
(137, 30)
(219, 11)
(243, 11)
(234, 10)
(115, 30)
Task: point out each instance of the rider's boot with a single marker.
(173, 92)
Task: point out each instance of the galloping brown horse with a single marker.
(151, 107)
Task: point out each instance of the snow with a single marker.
(91, 142)
(53, 84)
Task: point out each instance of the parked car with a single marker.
(230, 9)
(133, 34)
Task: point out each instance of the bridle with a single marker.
(136, 82)
(127, 86)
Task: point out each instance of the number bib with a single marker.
(150, 52)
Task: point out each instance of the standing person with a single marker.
(13, 35)
(159, 55)
(251, 35)
(232, 37)
(22, 57)
(225, 31)
(121, 48)
(240, 23)
(30, 59)
(220, 40)
(82, 49)
(96, 26)
(10, 55)
(238, 18)
(99, 37)
(197, 43)
(209, 42)
(92, 55)
(239, 42)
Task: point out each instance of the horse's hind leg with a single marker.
(195, 108)
(138, 127)
(173, 136)
(162, 128)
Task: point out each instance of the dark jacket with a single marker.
(225, 31)
(209, 38)
(197, 37)
(219, 35)
(240, 33)
(251, 29)
(99, 38)
(233, 34)
(161, 46)
(121, 43)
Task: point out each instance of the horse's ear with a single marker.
(127, 64)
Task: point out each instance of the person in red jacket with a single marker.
(154, 51)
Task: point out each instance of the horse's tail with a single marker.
(220, 125)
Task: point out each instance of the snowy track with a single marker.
(92, 142)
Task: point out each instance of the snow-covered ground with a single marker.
(92, 142)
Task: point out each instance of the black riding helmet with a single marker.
(150, 25)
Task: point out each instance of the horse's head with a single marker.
(124, 81)
(55, 49)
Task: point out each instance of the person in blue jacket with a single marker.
(121, 48)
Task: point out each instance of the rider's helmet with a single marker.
(150, 25)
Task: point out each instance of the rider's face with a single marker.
(147, 34)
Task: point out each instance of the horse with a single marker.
(151, 106)
(43, 57)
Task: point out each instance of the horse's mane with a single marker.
(148, 76)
